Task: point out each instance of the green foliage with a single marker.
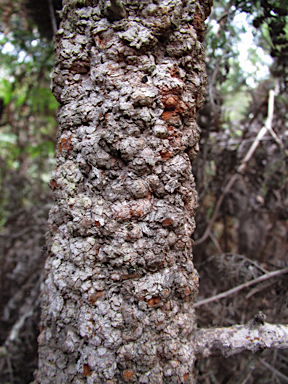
(5, 90)
(28, 121)
(270, 18)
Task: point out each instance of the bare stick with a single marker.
(274, 370)
(52, 15)
(267, 276)
(254, 336)
(260, 288)
(216, 243)
(10, 369)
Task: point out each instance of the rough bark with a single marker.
(120, 281)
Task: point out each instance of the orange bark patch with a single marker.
(129, 276)
(65, 144)
(175, 72)
(165, 155)
(86, 370)
(168, 115)
(171, 130)
(185, 377)
(167, 222)
(172, 117)
(53, 184)
(154, 301)
(128, 375)
(95, 296)
(198, 20)
(170, 102)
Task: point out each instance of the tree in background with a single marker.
(245, 225)
(27, 146)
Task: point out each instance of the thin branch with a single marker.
(254, 336)
(52, 15)
(274, 370)
(260, 288)
(219, 296)
(14, 333)
(10, 369)
(25, 311)
(226, 258)
(216, 243)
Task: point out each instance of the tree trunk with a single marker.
(120, 282)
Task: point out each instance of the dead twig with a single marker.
(216, 243)
(275, 371)
(260, 288)
(10, 369)
(219, 296)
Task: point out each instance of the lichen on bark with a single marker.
(120, 281)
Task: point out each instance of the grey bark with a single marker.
(120, 280)
(254, 336)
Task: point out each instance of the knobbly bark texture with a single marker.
(120, 282)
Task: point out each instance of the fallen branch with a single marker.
(254, 336)
(219, 296)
